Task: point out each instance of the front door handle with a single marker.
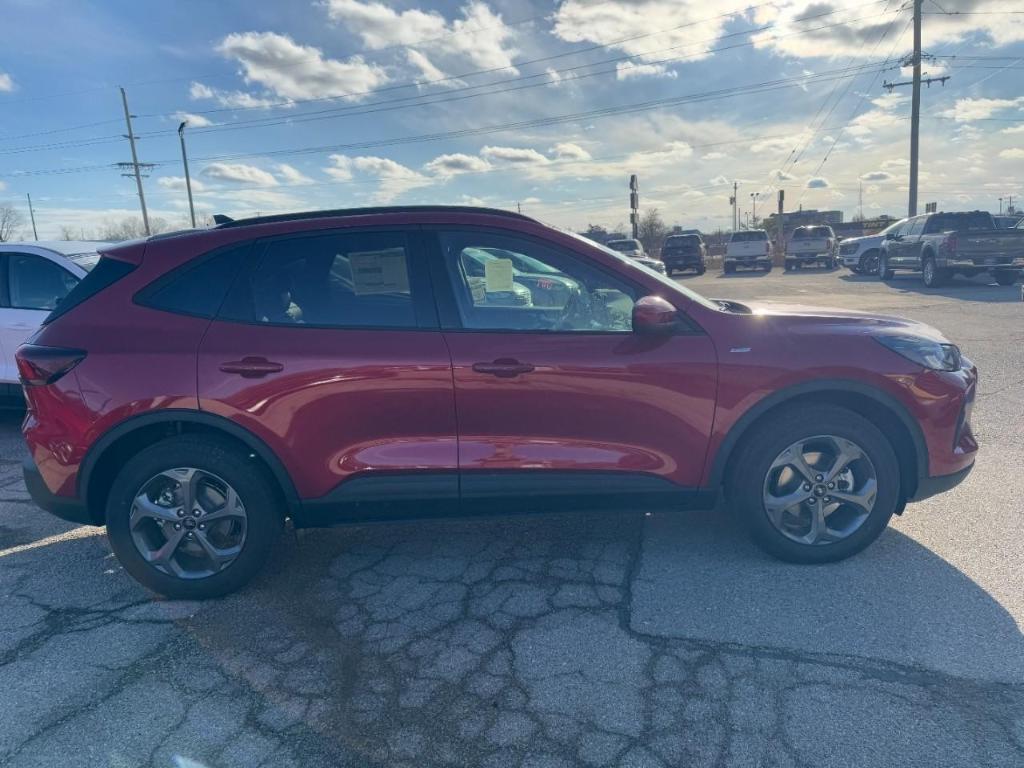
(503, 368)
(251, 367)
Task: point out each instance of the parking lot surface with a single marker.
(610, 639)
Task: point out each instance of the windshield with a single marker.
(85, 260)
(624, 245)
(677, 240)
(522, 262)
(750, 236)
(892, 227)
(634, 264)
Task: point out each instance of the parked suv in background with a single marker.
(682, 252)
(749, 248)
(196, 390)
(861, 254)
(812, 245)
(941, 245)
(635, 250)
(34, 278)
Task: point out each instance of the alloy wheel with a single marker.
(820, 490)
(188, 523)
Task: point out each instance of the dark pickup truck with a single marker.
(940, 245)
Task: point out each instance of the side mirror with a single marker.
(653, 315)
(890, 235)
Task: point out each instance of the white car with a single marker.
(749, 248)
(635, 250)
(860, 254)
(34, 278)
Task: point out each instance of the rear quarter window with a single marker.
(198, 287)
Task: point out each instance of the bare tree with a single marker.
(11, 220)
(652, 231)
(130, 228)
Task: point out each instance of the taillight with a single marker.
(39, 366)
(767, 247)
(950, 242)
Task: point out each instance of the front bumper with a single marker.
(70, 509)
(932, 486)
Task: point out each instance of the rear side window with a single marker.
(107, 272)
(197, 289)
(337, 280)
(963, 222)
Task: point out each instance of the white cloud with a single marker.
(713, 156)
(655, 25)
(178, 183)
(515, 155)
(291, 175)
(480, 36)
(454, 164)
(294, 71)
(428, 71)
(1015, 153)
(817, 29)
(233, 99)
(719, 181)
(240, 173)
(627, 69)
(780, 175)
(393, 178)
(3, 185)
(566, 150)
(194, 121)
(876, 176)
(1013, 129)
(966, 110)
(817, 182)
(6, 83)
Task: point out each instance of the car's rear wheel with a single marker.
(192, 518)
(932, 275)
(1006, 278)
(816, 484)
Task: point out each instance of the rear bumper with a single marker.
(66, 508)
(985, 263)
(681, 260)
(932, 486)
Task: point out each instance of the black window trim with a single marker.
(5, 279)
(424, 307)
(447, 306)
(144, 294)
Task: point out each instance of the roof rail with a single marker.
(224, 222)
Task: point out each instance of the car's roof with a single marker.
(225, 222)
(63, 247)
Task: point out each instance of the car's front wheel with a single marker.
(816, 484)
(1006, 278)
(192, 517)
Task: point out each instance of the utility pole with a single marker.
(135, 162)
(735, 212)
(634, 205)
(780, 236)
(519, 207)
(32, 215)
(915, 104)
(188, 180)
(753, 207)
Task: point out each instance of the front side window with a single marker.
(37, 283)
(336, 280)
(916, 225)
(558, 292)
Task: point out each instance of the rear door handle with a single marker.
(503, 368)
(251, 367)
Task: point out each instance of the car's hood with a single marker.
(800, 318)
(863, 239)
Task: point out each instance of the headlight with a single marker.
(924, 352)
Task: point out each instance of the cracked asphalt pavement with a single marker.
(601, 639)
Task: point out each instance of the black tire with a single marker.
(869, 263)
(752, 463)
(728, 268)
(1006, 278)
(768, 267)
(264, 515)
(884, 273)
(931, 274)
(702, 268)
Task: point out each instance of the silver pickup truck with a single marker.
(940, 245)
(812, 245)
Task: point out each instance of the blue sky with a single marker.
(549, 105)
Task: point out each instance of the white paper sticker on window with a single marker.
(379, 272)
(498, 275)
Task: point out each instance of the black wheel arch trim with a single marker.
(175, 415)
(820, 386)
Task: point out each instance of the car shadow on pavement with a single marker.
(497, 641)
(702, 578)
(744, 273)
(979, 288)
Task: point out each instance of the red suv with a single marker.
(195, 390)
